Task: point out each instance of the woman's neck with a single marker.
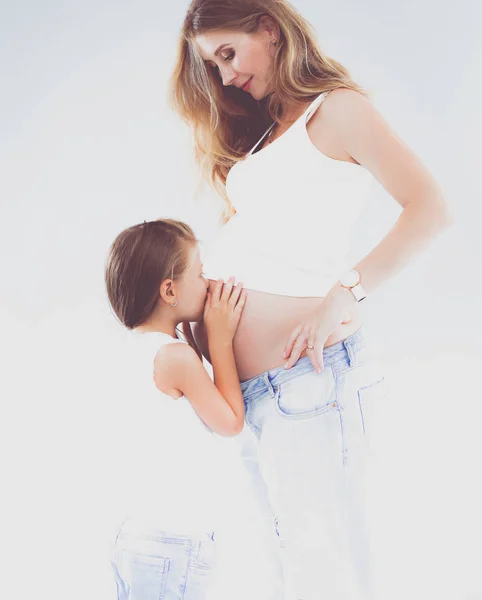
(293, 111)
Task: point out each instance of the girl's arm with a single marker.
(219, 404)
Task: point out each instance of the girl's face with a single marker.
(242, 59)
(193, 286)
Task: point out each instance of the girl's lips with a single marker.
(246, 86)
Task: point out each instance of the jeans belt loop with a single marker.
(269, 385)
(350, 351)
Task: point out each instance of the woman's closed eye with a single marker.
(226, 58)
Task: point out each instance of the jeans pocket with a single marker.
(307, 395)
(147, 575)
(370, 398)
(204, 557)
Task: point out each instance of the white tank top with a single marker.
(176, 477)
(296, 208)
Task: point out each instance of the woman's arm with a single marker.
(369, 140)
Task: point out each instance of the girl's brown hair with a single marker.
(139, 260)
(226, 121)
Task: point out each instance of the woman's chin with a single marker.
(258, 94)
(264, 92)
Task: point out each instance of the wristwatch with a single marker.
(351, 281)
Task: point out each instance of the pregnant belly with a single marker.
(265, 326)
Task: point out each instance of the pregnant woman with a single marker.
(293, 143)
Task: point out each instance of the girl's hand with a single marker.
(223, 309)
(313, 332)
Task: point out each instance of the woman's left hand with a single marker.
(313, 332)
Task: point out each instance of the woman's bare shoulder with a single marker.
(343, 99)
(341, 109)
(335, 119)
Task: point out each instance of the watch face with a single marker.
(350, 279)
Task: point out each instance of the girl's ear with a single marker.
(165, 290)
(187, 331)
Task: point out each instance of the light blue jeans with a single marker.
(311, 434)
(152, 564)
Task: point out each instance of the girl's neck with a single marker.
(156, 326)
(168, 332)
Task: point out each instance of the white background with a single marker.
(88, 146)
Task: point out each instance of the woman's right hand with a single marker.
(223, 309)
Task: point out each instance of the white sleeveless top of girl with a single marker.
(296, 208)
(177, 478)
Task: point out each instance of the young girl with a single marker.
(155, 282)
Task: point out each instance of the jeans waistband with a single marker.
(345, 349)
(140, 527)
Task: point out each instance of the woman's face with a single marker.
(243, 59)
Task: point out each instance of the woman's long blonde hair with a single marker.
(226, 121)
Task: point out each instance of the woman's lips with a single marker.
(247, 85)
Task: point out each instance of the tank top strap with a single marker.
(261, 139)
(165, 340)
(305, 117)
(313, 107)
(168, 339)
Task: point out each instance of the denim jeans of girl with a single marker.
(152, 564)
(312, 436)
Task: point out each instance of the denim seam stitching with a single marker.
(154, 538)
(351, 368)
(360, 401)
(305, 369)
(286, 378)
(186, 574)
(339, 408)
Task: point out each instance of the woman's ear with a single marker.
(270, 26)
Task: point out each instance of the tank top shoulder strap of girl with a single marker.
(168, 339)
(165, 340)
